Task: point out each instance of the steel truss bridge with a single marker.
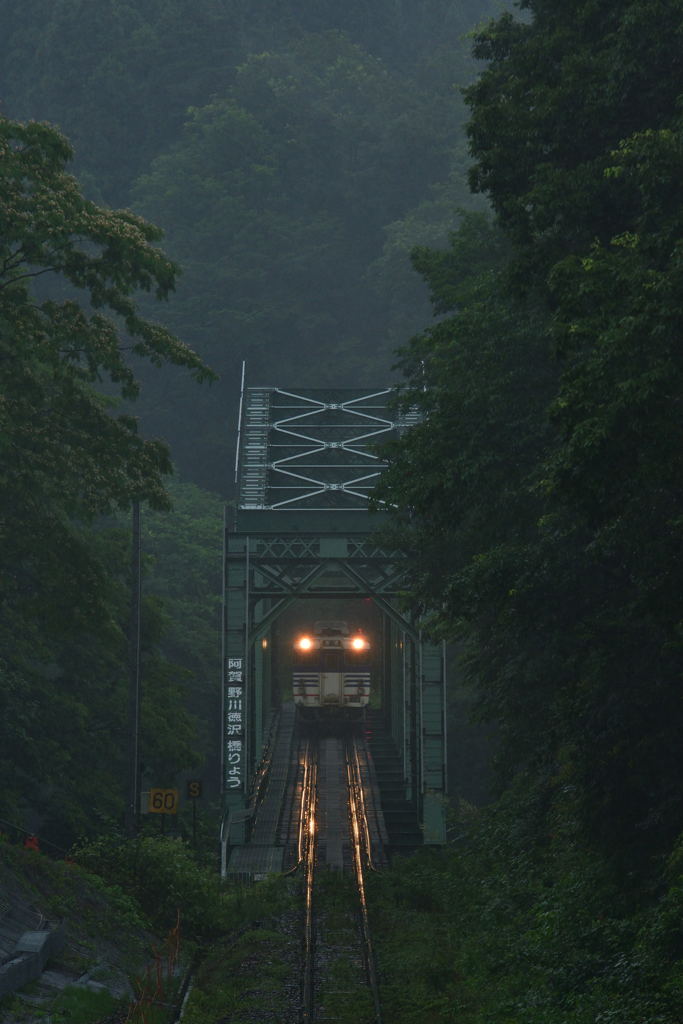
(306, 465)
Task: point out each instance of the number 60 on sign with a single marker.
(163, 801)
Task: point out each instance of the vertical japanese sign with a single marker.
(234, 725)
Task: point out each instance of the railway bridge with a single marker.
(300, 545)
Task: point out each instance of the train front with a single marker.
(331, 675)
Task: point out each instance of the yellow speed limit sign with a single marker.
(163, 801)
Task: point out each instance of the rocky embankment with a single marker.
(90, 942)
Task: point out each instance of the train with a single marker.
(331, 673)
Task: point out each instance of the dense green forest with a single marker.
(71, 466)
(540, 498)
(292, 155)
(295, 156)
(540, 505)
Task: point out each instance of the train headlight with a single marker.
(359, 643)
(304, 643)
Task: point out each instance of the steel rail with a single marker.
(306, 852)
(360, 797)
(361, 845)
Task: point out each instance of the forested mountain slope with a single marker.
(290, 152)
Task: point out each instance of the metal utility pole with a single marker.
(133, 805)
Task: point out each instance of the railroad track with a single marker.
(326, 837)
(307, 851)
(362, 860)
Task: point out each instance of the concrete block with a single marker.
(33, 942)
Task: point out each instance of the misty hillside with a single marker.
(292, 153)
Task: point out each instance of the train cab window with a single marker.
(330, 627)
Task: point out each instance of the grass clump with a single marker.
(82, 1006)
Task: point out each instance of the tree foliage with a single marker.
(543, 489)
(182, 550)
(520, 924)
(69, 324)
(55, 347)
(118, 77)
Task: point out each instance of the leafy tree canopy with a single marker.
(69, 324)
(560, 93)
(60, 444)
(544, 486)
(118, 77)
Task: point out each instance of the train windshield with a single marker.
(330, 627)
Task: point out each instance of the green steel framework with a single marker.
(306, 465)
